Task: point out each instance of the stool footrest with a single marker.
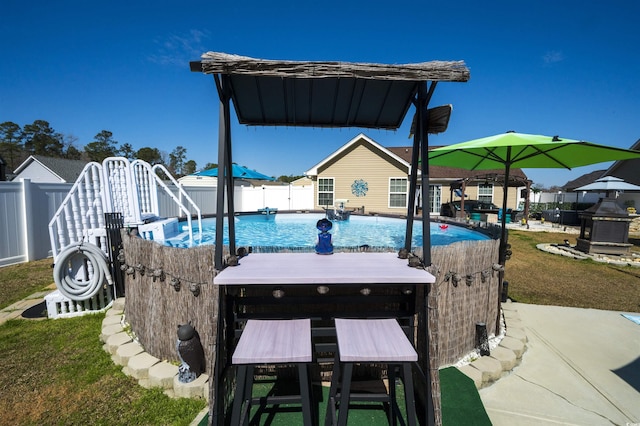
(276, 399)
(365, 397)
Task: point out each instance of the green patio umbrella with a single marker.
(525, 151)
(519, 150)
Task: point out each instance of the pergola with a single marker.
(514, 181)
(327, 94)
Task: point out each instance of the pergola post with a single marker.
(419, 149)
(225, 175)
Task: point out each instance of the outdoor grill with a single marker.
(604, 228)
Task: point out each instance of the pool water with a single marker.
(299, 230)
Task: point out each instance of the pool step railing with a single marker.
(169, 226)
(115, 186)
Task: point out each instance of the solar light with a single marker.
(322, 289)
(365, 291)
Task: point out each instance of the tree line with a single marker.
(39, 138)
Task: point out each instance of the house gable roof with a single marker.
(358, 139)
(626, 164)
(66, 170)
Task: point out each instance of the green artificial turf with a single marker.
(461, 405)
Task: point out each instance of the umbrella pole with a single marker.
(502, 255)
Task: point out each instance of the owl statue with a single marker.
(191, 354)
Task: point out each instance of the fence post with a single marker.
(114, 222)
(27, 220)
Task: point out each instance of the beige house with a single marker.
(370, 176)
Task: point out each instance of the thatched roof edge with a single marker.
(223, 63)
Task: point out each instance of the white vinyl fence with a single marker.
(25, 210)
(27, 207)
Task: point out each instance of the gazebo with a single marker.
(324, 94)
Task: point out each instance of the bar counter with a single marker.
(389, 280)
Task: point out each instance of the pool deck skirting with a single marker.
(147, 369)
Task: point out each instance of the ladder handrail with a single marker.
(120, 180)
(83, 202)
(146, 188)
(177, 200)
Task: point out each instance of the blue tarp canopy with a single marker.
(239, 172)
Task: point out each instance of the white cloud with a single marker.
(178, 49)
(553, 56)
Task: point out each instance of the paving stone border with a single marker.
(147, 369)
(505, 357)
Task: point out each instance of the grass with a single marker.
(542, 278)
(56, 373)
(21, 280)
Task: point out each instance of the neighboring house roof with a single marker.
(403, 154)
(66, 170)
(361, 137)
(442, 172)
(302, 181)
(626, 169)
(585, 179)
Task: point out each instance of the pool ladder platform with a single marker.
(117, 186)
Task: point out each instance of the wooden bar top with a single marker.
(314, 269)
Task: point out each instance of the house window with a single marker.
(397, 192)
(325, 191)
(485, 192)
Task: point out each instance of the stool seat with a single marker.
(274, 342)
(373, 340)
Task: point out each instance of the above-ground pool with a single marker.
(298, 230)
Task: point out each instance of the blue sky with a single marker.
(570, 68)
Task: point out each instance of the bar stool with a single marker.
(371, 341)
(272, 342)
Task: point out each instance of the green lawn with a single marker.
(55, 372)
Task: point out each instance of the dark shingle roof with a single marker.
(442, 172)
(69, 170)
(585, 179)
